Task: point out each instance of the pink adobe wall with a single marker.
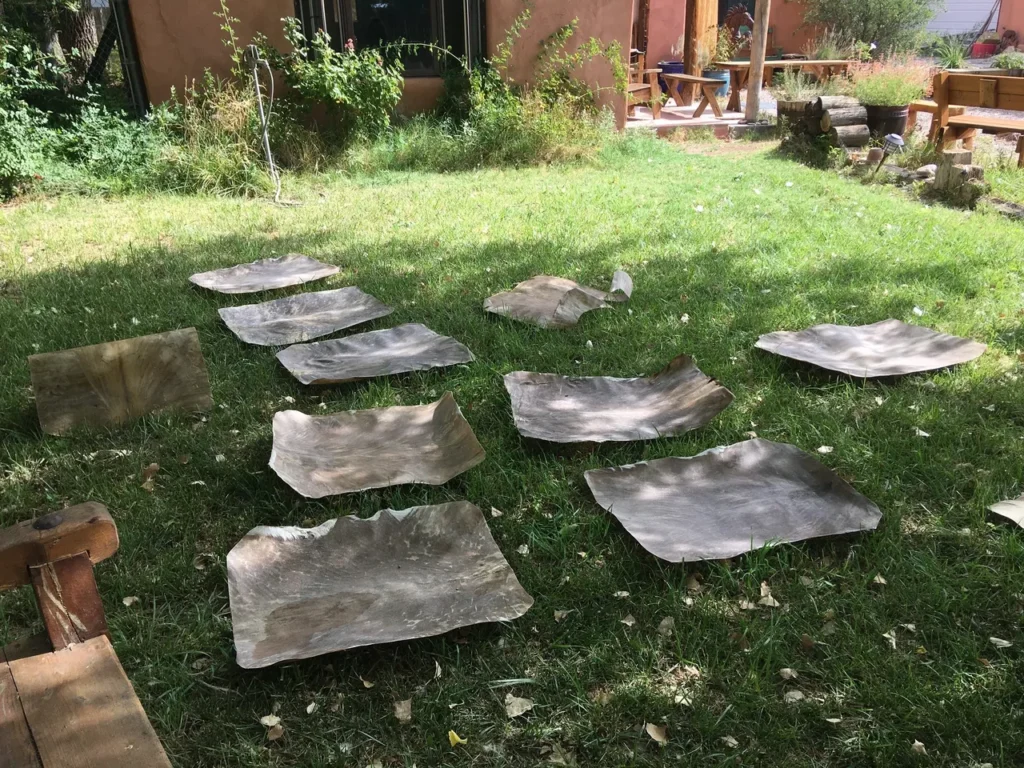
(667, 24)
(606, 20)
(179, 39)
(1011, 16)
(789, 31)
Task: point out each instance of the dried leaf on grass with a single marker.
(918, 748)
(730, 742)
(666, 627)
(793, 697)
(629, 621)
(787, 673)
(403, 711)
(130, 600)
(657, 732)
(515, 706)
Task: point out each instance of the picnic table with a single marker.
(707, 89)
(739, 72)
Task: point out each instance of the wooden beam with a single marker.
(701, 34)
(83, 528)
(69, 601)
(758, 48)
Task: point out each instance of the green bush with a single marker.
(887, 90)
(359, 89)
(951, 53)
(1009, 60)
(23, 72)
(892, 25)
(214, 142)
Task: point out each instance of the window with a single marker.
(453, 24)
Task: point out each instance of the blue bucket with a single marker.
(669, 68)
(719, 74)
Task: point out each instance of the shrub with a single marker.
(359, 89)
(794, 85)
(831, 44)
(1009, 60)
(950, 53)
(892, 25)
(890, 82)
(214, 141)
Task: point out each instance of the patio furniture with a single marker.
(643, 87)
(707, 85)
(930, 107)
(65, 701)
(739, 73)
(974, 90)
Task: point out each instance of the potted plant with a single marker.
(673, 66)
(726, 45)
(886, 89)
(1010, 60)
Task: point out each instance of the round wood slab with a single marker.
(564, 409)
(888, 348)
(410, 347)
(265, 275)
(731, 500)
(302, 317)
(296, 593)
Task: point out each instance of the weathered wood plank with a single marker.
(119, 381)
(17, 749)
(83, 528)
(69, 600)
(83, 711)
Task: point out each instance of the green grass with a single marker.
(82, 271)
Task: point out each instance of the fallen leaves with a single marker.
(311, 708)
(275, 730)
(149, 477)
(366, 683)
(793, 697)
(629, 621)
(918, 748)
(560, 616)
(891, 637)
(730, 742)
(998, 642)
(403, 711)
(657, 732)
(666, 627)
(454, 739)
(825, 449)
(788, 673)
(517, 707)
(130, 600)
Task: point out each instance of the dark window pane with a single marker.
(378, 22)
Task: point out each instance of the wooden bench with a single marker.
(707, 89)
(929, 107)
(643, 87)
(977, 90)
(65, 701)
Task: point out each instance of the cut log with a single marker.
(833, 118)
(834, 102)
(850, 136)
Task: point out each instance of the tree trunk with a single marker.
(76, 30)
(850, 136)
(758, 48)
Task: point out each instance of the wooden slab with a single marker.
(83, 528)
(17, 749)
(83, 712)
(555, 302)
(322, 456)
(120, 381)
(265, 275)
(730, 500)
(564, 409)
(409, 347)
(302, 317)
(301, 592)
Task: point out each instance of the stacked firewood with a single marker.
(842, 118)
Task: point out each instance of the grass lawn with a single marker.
(760, 256)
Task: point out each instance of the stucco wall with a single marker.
(1011, 16)
(179, 39)
(789, 30)
(667, 25)
(606, 20)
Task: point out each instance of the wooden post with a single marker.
(701, 33)
(758, 47)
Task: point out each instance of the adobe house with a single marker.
(175, 41)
